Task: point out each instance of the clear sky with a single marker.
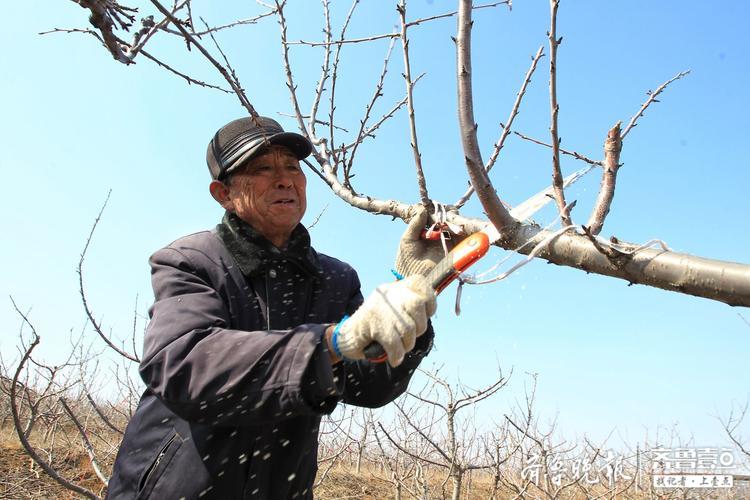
(75, 124)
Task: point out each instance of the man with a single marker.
(254, 336)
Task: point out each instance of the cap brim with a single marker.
(296, 143)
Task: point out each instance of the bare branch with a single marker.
(494, 208)
(81, 290)
(239, 92)
(370, 131)
(574, 154)
(86, 443)
(416, 22)
(334, 79)
(241, 22)
(288, 68)
(149, 28)
(508, 124)
(557, 179)
(651, 98)
(361, 135)
(423, 195)
(612, 148)
(187, 78)
(407, 452)
(104, 16)
(227, 64)
(325, 69)
(46, 467)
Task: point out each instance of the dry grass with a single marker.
(20, 478)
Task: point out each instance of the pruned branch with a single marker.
(105, 16)
(612, 148)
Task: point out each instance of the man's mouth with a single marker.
(284, 201)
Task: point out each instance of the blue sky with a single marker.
(609, 356)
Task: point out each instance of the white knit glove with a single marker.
(394, 315)
(416, 255)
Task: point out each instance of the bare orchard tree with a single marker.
(46, 403)
(435, 430)
(334, 159)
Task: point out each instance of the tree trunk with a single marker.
(457, 477)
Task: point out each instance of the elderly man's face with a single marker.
(269, 194)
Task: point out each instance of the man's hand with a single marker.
(416, 255)
(394, 315)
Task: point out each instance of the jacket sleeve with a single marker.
(376, 384)
(208, 373)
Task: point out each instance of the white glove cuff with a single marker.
(335, 337)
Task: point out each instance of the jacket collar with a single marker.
(253, 252)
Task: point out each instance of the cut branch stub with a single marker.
(612, 149)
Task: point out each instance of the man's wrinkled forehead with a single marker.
(270, 152)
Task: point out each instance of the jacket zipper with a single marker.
(159, 457)
(268, 300)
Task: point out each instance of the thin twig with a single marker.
(574, 154)
(251, 20)
(407, 452)
(317, 218)
(325, 69)
(149, 28)
(288, 67)
(651, 98)
(423, 195)
(370, 131)
(361, 135)
(334, 79)
(239, 92)
(183, 75)
(86, 443)
(81, 290)
(396, 34)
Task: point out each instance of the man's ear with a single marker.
(220, 193)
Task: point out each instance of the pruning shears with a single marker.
(463, 255)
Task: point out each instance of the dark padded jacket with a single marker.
(236, 371)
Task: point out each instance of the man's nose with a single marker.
(283, 178)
